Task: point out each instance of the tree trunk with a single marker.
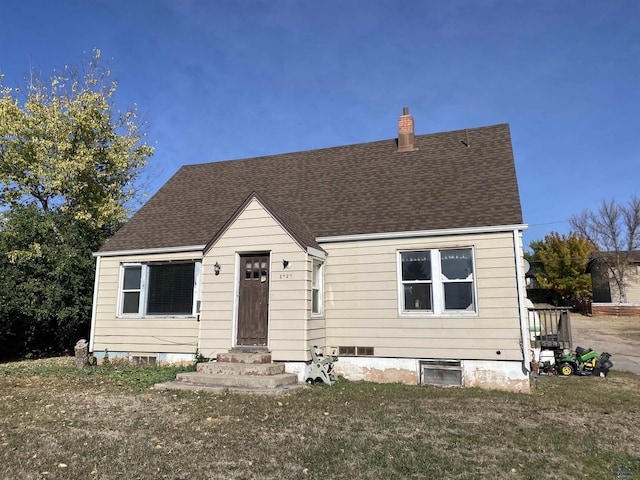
(82, 354)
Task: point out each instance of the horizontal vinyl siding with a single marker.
(361, 298)
(633, 290)
(144, 335)
(256, 231)
(316, 332)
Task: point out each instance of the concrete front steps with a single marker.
(237, 370)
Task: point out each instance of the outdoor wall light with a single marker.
(216, 268)
(285, 264)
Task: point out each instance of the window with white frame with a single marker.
(316, 287)
(437, 281)
(131, 288)
(159, 289)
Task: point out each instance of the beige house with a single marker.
(606, 293)
(403, 257)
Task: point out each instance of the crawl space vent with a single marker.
(139, 359)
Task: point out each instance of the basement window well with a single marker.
(442, 373)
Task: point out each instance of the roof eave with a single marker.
(150, 251)
(421, 233)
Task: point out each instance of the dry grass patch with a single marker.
(101, 425)
(626, 327)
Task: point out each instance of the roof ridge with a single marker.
(338, 147)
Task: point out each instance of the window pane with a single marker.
(458, 296)
(315, 279)
(315, 303)
(456, 264)
(417, 296)
(130, 302)
(416, 265)
(132, 278)
(316, 287)
(171, 289)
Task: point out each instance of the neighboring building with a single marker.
(534, 291)
(403, 257)
(606, 294)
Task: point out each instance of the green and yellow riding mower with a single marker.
(584, 361)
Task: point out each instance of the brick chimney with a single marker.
(406, 131)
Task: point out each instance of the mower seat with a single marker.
(581, 351)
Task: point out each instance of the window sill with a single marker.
(461, 313)
(139, 317)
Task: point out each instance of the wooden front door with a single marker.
(253, 302)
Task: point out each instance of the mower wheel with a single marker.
(566, 369)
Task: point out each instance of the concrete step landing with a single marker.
(227, 368)
(243, 357)
(238, 370)
(243, 381)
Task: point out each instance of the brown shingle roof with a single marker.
(354, 189)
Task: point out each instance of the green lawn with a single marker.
(106, 423)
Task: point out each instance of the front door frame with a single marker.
(239, 271)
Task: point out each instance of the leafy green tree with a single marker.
(70, 163)
(533, 257)
(560, 264)
(45, 283)
(67, 148)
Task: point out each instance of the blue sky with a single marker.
(219, 80)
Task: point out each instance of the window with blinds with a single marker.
(159, 289)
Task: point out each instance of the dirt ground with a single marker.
(620, 336)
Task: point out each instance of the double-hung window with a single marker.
(131, 288)
(316, 287)
(159, 289)
(438, 281)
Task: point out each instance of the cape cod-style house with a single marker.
(402, 257)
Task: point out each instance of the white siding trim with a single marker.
(94, 307)
(270, 287)
(420, 233)
(236, 301)
(197, 272)
(314, 252)
(523, 314)
(118, 253)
